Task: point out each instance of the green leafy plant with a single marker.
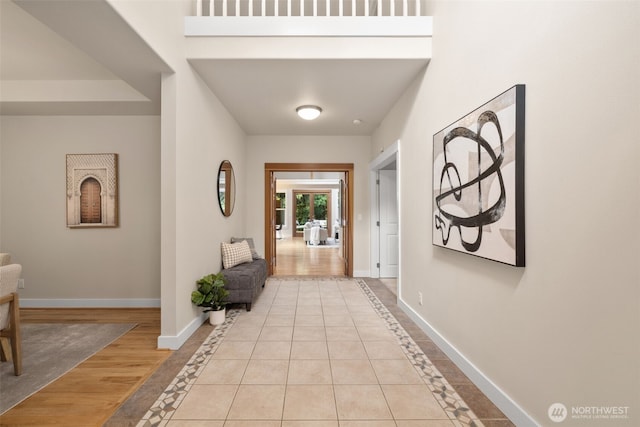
(211, 293)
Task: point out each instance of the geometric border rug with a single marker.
(161, 411)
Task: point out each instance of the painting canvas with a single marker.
(92, 190)
(478, 181)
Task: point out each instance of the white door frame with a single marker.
(388, 221)
(389, 155)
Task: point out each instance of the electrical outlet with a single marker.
(20, 283)
(420, 298)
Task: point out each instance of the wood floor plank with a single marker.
(90, 393)
(295, 258)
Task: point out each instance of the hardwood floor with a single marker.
(294, 258)
(90, 393)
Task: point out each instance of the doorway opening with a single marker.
(308, 217)
(385, 214)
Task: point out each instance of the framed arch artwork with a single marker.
(92, 190)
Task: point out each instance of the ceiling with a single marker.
(37, 60)
(262, 94)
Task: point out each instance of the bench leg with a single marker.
(248, 306)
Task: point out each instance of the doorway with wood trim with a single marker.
(339, 230)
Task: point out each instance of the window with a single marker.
(281, 205)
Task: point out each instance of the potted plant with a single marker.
(212, 295)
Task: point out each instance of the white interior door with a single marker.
(389, 243)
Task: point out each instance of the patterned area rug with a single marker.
(49, 350)
(456, 409)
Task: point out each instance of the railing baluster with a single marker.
(370, 8)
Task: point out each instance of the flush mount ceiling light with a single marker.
(308, 112)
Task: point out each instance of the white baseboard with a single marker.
(510, 408)
(361, 273)
(175, 342)
(88, 303)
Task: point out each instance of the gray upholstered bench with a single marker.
(245, 281)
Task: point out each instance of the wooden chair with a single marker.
(10, 316)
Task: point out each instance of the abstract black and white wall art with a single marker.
(478, 181)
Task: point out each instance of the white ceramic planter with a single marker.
(217, 317)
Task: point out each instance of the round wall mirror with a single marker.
(226, 188)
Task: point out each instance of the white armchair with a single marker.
(314, 234)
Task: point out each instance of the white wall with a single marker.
(197, 135)
(311, 149)
(564, 328)
(75, 265)
(206, 135)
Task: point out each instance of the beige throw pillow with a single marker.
(249, 240)
(235, 253)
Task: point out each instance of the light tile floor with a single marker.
(311, 353)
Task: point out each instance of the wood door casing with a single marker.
(90, 202)
(270, 219)
(269, 205)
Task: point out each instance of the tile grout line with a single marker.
(453, 405)
(162, 410)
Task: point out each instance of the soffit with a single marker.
(63, 57)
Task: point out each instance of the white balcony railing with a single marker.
(332, 8)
